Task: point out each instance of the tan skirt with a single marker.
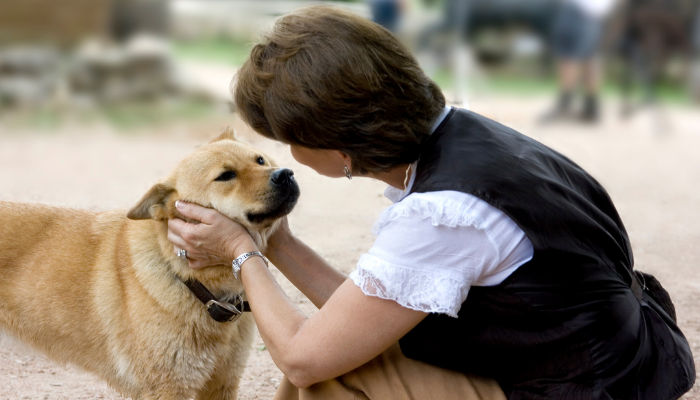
(391, 376)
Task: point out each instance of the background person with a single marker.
(695, 57)
(499, 257)
(654, 32)
(387, 13)
(576, 37)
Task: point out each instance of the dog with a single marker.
(105, 290)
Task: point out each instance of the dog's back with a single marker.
(43, 258)
(51, 265)
(95, 290)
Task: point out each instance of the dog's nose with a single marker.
(282, 176)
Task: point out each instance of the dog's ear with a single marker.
(153, 204)
(228, 133)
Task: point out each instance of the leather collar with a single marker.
(219, 310)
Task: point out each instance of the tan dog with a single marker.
(106, 293)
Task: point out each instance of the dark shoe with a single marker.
(591, 110)
(561, 110)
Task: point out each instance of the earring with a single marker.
(405, 180)
(347, 172)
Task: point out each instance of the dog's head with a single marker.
(229, 176)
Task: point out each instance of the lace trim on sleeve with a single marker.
(426, 291)
(441, 211)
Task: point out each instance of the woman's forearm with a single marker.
(334, 340)
(277, 317)
(348, 331)
(307, 270)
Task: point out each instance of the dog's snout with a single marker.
(282, 177)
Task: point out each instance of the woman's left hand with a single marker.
(216, 240)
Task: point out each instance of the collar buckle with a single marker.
(219, 310)
(230, 308)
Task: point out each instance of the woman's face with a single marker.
(326, 162)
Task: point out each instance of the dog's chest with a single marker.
(187, 356)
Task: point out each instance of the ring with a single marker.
(182, 253)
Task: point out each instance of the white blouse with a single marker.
(432, 247)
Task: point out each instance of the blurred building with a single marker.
(92, 51)
(62, 23)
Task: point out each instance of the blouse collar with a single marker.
(396, 195)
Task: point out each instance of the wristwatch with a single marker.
(236, 265)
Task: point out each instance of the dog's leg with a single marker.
(166, 394)
(224, 392)
(222, 386)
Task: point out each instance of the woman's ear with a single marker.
(347, 161)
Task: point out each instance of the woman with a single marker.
(500, 257)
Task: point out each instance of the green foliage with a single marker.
(523, 85)
(222, 50)
(123, 116)
(135, 115)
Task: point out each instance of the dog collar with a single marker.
(220, 311)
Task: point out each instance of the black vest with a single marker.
(565, 325)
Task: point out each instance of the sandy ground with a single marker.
(651, 174)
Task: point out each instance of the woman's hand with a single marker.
(216, 240)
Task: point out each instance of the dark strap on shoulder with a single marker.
(220, 311)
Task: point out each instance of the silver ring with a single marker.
(182, 253)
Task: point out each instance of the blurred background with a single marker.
(134, 63)
(100, 98)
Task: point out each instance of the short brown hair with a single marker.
(325, 78)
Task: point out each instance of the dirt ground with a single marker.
(652, 173)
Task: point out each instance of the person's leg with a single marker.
(566, 37)
(569, 71)
(330, 389)
(591, 76)
(567, 78)
(392, 376)
(568, 75)
(591, 82)
(589, 57)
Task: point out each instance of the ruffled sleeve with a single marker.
(430, 249)
(420, 290)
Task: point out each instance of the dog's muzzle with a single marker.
(286, 194)
(283, 177)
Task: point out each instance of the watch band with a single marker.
(236, 265)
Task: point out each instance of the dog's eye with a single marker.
(261, 161)
(226, 176)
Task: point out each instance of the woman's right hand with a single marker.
(216, 240)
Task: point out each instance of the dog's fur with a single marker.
(105, 292)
